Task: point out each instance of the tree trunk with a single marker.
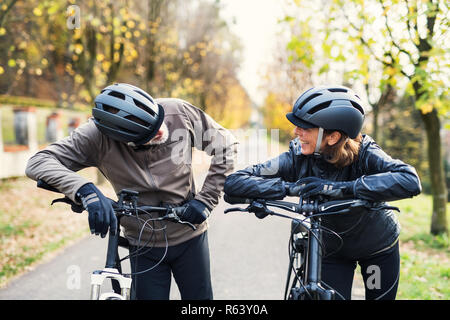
(437, 174)
(375, 132)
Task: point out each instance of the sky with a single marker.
(256, 25)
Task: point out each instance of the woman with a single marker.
(331, 159)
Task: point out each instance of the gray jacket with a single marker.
(161, 174)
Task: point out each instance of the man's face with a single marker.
(161, 136)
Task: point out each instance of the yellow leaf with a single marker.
(2, 31)
(2, 70)
(79, 79)
(77, 34)
(78, 48)
(37, 12)
(11, 63)
(426, 108)
(116, 57)
(106, 65)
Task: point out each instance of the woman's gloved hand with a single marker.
(313, 186)
(99, 208)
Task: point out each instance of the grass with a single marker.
(31, 230)
(425, 258)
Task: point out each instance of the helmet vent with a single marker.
(357, 106)
(110, 109)
(144, 107)
(117, 95)
(144, 95)
(337, 90)
(319, 107)
(315, 95)
(137, 120)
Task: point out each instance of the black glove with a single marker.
(313, 186)
(100, 210)
(259, 210)
(194, 212)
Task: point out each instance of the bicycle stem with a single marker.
(314, 259)
(113, 243)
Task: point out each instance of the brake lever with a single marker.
(78, 208)
(171, 215)
(234, 209)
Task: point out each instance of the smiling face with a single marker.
(308, 139)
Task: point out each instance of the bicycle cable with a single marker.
(296, 275)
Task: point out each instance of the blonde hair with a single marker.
(344, 152)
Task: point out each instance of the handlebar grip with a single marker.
(44, 185)
(237, 200)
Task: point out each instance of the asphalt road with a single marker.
(249, 261)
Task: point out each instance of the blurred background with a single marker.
(244, 63)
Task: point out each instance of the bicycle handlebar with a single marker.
(126, 205)
(311, 207)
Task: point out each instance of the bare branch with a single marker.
(366, 44)
(408, 25)
(5, 12)
(386, 22)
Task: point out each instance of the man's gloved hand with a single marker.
(313, 186)
(195, 212)
(99, 208)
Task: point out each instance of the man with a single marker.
(145, 144)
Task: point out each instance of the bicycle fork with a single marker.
(97, 278)
(313, 289)
(111, 272)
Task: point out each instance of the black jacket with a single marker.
(379, 178)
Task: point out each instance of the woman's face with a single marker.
(308, 139)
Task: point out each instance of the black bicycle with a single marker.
(125, 206)
(306, 247)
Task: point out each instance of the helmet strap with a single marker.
(318, 142)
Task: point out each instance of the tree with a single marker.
(407, 40)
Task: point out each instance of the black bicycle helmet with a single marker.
(330, 108)
(128, 114)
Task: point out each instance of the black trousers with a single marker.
(380, 273)
(188, 262)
